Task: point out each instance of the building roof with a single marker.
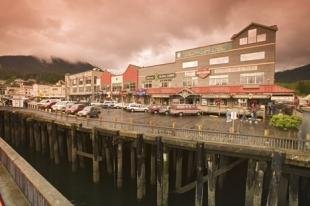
(273, 28)
(270, 89)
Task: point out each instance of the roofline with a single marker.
(156, 65)
(204, 46)
(272, 27)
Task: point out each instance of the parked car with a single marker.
(97, 104)
(75, 108)
(133, 107)
(47, 103)
(164, 110)
(62, 105)
(89, 111)
(154, 109)
(120, 105)
(184, 109)
(108, 104)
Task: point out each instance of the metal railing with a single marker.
(185, 134)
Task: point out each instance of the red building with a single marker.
(122, 86)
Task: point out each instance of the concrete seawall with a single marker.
(37, 190)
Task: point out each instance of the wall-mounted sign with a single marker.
(190, 73)
(203, 72)
(161, 76)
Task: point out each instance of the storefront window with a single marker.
(148, 84)
(217, 102)
(130, 86)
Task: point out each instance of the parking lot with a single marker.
(205, 122)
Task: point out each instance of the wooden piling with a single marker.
(199, 180)
(153, 165)
(43, 137)
(73, 147)
(165, 175)
(49, 128)
(60, 139)
(293, 190)
(108, 156)
(159, 173)
(96, 171)
(119, 181)
(190, 159)
(37, 136)
(132, 161)
(140, 167)
(23, 131)
(80, 149)
(249, 192)
(55, 143)
(212, 166)
(276, 168)
(259, 183)
(178, 170)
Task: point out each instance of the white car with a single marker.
(62, 105)
(120, 105)
(137, 108)
(97, 104)
(108, 104)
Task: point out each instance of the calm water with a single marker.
(80, 190)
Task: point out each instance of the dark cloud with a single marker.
(112, 34)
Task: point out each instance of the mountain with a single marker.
(294, 75)
(31, 67)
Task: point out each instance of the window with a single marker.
(81, 89)
(219, 60)
(243, 41)
(252, 78)
(130, 86)
(189, 64)
(165, 83)
(88, 89)
(74, 82)
(148, 84)
(190, 81)
(252, 56)
(261, 37)
(252, 36)
(218, 80)
(88, 80)
(117, 87)
(81, 81)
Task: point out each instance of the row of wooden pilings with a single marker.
(75, 143)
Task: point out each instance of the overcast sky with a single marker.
(112, 34)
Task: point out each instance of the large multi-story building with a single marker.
(84, 86)
(234, 72)
(57, 90)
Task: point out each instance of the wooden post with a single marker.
(79, 140)
(249, 192)
(31, 134)
(132, 161)
(259, 181)
(73, 148)
(140, 167)
(43, 137)
(276, 168)
(190, 159)
(212, 166)
(199, 183)
(60, 137)
(96, 171)
(23, 131)
(119, 181)
(293, 190)
(153, 166)
(108, 156)
(37, 134)
(50, 140)
(55, 143)
(178, 175)
(159, 160)
(165, 175)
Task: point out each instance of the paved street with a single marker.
(207, 122)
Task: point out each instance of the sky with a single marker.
(112, 34)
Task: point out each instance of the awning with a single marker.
(216, 96)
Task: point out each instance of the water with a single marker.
(80, 190)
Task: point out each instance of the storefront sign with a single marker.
(190, 73)
(203, 72)
(283, 98)
(161, 76)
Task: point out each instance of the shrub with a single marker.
(285, 122)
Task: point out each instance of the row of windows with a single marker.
(247, 78)
(225, 60)
(84, 89)
(252, 37)
(86, 80)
